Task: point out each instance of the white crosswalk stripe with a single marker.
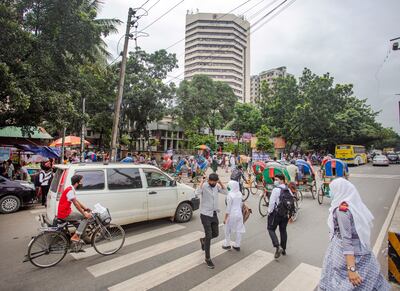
(38, 211)
(237, 273)
(304, 278)
(143, 254)
(132, 239)
(166, 272)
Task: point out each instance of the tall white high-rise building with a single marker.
(218, 45)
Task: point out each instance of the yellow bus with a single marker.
(351, 154)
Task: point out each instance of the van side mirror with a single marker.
(173, 183)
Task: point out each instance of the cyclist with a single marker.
(64, 208)
(237, 175)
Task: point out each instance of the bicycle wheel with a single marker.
(296, 214)
(263, 205)
(245, 194)
(48, 249)
(109, 239)
(314, 189)
(253, 187)
(320, 195)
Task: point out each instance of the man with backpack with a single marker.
(280, 209)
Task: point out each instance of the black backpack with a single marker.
(286, 206)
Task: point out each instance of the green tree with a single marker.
(264, 142)
(247, 118)
(43, 45)
(204, 103)
(316, 112)
(146, 98)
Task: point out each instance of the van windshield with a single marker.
(56, 180)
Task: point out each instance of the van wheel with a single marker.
(9, 204)
(184, 212)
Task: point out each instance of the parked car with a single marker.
(14, 194)
(393, 158)
(132, 193)
(380, 160)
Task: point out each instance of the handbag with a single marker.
(246, 211)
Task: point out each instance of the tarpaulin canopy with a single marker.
(70, 140)
(47, 152)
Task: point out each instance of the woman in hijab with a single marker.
(233, 216)
(349, 263)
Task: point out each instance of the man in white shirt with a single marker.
(209, 191)
(293, 171)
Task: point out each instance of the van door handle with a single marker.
(152, 192)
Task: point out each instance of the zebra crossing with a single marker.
(304, 277)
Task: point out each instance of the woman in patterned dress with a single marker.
(349, 263)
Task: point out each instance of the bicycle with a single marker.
(51, 245)
(263, 204)
(252, 186)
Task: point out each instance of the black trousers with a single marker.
(211, 230)
(45, 190)
(274, 221)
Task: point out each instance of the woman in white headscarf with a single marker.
(233, 216)
(349, 263)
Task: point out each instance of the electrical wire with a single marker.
(269, 13)
(263, 17)
(162, 15)
(153, 5)
(147, 1)
(261, 10)
(182, 39)
(272, 17)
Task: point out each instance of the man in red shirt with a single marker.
(64, 207)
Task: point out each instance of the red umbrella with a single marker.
(69, 141)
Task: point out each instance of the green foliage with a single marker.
(196, 139)
(146, 98)
(247, 118)
(317, 111)
(204, 103)
(43, 46)
(264, 142)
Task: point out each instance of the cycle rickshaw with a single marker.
(269, 174)
(254, 182)
(307, 180)
(332, 169)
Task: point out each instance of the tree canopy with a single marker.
(315, 111)
(204, 103)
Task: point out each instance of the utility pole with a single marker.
(118, 100)
(83, 129)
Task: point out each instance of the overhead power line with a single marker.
(153, 5)
(269, 13)
(162, 15)
(261, 10)
(223, 15)
(272, 17)
(147, 1)
(258, 21)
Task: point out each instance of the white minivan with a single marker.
(132, 193)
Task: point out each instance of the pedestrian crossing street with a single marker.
(304, 277)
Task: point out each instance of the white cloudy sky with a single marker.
(349, 39)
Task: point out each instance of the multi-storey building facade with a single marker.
(218, 45)
(268, 76)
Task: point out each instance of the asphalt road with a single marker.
(163, 261)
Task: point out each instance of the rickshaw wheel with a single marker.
(245, 194)
(314, 190)
(320, 195)
(263, 205)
